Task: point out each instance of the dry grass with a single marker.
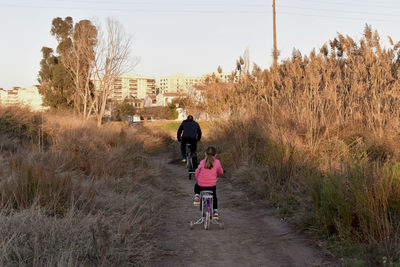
(83, 195)
(318, 135)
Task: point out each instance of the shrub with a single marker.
(32, 184)
(90, 196)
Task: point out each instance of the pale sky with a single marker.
(189, 36)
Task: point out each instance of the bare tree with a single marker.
(112, 60)
(79, 60)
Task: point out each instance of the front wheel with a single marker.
(207, 220)
(190, 176)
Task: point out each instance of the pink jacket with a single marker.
(208, 177)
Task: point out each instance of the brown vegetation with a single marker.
(319, 135)
(82, 196)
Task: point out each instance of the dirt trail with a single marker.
(251, 237)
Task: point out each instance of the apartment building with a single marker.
(224, 77)
(133, 86)
(30, 97)
(10, 96)
(3, 95)
(22, 96)
(177, 83)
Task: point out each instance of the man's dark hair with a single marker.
(190, 117)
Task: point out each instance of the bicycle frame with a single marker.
(206, 209)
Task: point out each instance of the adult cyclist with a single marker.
(189, 132)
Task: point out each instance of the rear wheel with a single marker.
(190, 160)
(187, 161)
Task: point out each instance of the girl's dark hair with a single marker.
(210, 154)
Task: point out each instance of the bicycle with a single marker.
(189, 161)
(207, 212)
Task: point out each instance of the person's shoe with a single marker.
(196, 200)
(215, 214)
(183, 160)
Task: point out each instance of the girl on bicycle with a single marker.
(207, 176)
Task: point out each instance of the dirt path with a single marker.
(251, 237)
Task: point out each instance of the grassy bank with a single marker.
(171, 127)
(79, 196)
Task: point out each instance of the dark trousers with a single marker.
(193, 148)
(198, 189)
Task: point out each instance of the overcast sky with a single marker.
(189, 36)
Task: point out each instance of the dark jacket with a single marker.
(191, 129)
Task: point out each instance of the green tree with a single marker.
(62, 30)
(56, 83)
(65, 76)
(123, 109)
(126, 108)
(171, 112)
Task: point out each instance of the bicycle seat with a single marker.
(187, 144)
(206, 192)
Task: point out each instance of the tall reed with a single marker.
(320, 134)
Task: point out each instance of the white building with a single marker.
(22, 96)
(182, 114)
(150, 101)
(30, 97)
(133, 86)
(10, 96)
(167, 98)
(224, 77)
(177, 83)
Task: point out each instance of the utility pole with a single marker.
(275, 52)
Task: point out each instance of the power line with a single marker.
(215, 11)
(349, 4)
(320, 9)
(190, 5)
(142, 10)
(335, 17)
(200, 3)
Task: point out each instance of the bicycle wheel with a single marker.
(187, 160)
(190, 160)
(208, 214)
(207, 220)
